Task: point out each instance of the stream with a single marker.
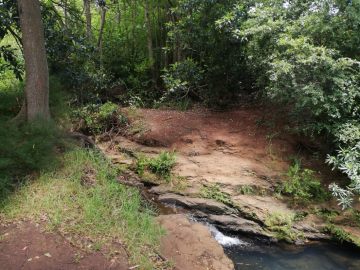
(255, 254)
(252, 253)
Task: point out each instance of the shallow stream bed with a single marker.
(257, 255)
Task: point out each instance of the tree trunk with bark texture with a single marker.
(150, 40)
(87, 9)
(101, 32)
(37, 75)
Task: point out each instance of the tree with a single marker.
(87, 9)
(36, 102)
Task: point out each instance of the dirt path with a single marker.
(25, 246)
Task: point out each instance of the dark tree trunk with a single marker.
(37, 75)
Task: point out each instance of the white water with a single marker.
(224, 240)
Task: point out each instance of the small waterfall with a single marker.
(224, 240)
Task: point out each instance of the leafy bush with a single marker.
(302, 185)
(183, 79)
(281, 224)
(160, 165)
(96, 119)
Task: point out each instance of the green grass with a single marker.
(83, 199)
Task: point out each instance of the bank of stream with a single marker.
(257, 253)
(225, 174)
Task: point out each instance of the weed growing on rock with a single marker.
(214, 192)
(337, 233)
(160, 165)
(281, 224)
(246, 190)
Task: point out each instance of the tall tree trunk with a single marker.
(101, 32)
(87, 9)
(36, 68)
(150, 40)
(65, 7)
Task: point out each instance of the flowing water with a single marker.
(248, 253)
(256, 254)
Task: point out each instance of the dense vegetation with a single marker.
(302, 55)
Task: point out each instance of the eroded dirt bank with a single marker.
(239, 157)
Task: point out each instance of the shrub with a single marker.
(183, 79)
(302, 185)
(281, 223)
(97, 119)
(160, 165)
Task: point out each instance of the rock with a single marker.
(204, 205)
(237, 224)
(260, 207)
(161, 189)
(190, 245)
(309, 232)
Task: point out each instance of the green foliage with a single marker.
(84, 199)
(160, 165)
(327, 214)
(97, 119)
(246, 190)
(214, 192)
(337, 233)
(302, 185)
(304, 54)
(281, 224)
(26, 148)
(183, 79)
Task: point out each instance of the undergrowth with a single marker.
(160, 165)
(99, 118)
(83, 199)
(281, 224)
(302, 185)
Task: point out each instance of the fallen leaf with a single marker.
(47, 254)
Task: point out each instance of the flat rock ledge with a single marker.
(230, 219)
(190, 246)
